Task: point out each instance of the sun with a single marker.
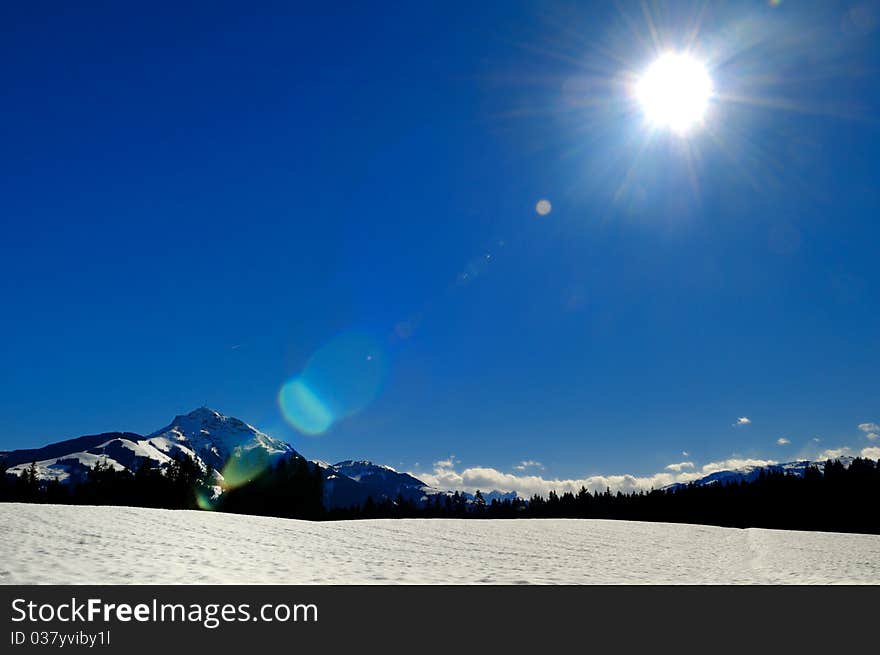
(674, 92)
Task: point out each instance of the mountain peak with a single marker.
(215, 437)
(362, 464)
(204, 413)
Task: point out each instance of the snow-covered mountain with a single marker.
(213, 438)
(70, 460)
(383, 481)
(207, 436)
(227, 445)
(751, 473)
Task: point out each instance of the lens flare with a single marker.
(339, 380)
(303, 409)
(245, 466)
(204, 500)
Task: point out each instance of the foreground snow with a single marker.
(106, 545)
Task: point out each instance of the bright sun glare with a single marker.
(674, 92)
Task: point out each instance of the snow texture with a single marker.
(58, 544)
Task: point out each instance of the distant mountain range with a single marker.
(752, 473)
(234, 450)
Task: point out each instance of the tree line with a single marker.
(834, 498)
(842, 499)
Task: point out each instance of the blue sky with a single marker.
(197, 199)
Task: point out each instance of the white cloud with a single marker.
(873, 436)
(679, 466)
(734, 463)
(869, 427)
(743, 420)
(685, 453)
(817, 439)
(782, 441)
(445, 463)
(871, 453)
(528, 464)
(834, 453)
(487, 479)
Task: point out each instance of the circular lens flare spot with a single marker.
(674, 92)
(303, 409)
(340, 379)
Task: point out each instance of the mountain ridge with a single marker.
(753, 472)
(229, 448)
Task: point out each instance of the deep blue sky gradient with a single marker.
(195, 197)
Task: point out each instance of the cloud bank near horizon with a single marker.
(485, 478)
(446, 474)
